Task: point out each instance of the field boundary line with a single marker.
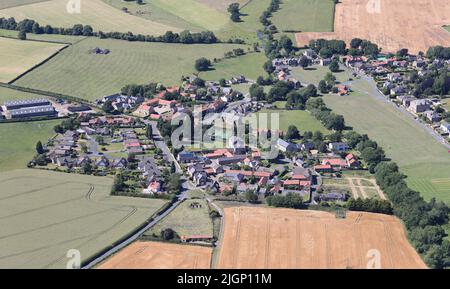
(39, 40)
(38, 65)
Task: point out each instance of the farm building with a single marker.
(18, 104)
(33, 112)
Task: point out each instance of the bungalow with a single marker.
(285, 146)
(186, 157)
(338, 146)
(335, 163)
(323, 168)
(296, 184)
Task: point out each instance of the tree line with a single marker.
(184, 37)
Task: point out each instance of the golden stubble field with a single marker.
(284, 238)
(158, 255)
(392, 24)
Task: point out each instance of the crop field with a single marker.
(18, 142)
(76, 71)
(12, 94)
(13, 3)
(186, 220)
(155, 255)
(419, 156)
(249, 65)
(44, 214)
(305, 16)
(18, 56)
(96, 13)
(267, 238)
(302, 119)
(384, 24)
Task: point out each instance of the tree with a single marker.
(222, 82)
(268, 67)
(149, 131)
(292, 133)
(168, 234)
(22, 35)
(251, 197)
(233, 9)
(323, 87)
(304, 62)
(108, 107)
(257, 92)
(39, 148)
(202, 64)
(334, 66)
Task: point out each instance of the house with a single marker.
(307, 146)
(336, 163)
(192, 170)
(432, 116)
(352, 161)
(285, 146)
(119, 163)
(405, 100)
(325, 61)
(65, 162)
(102, 162)
(419, 106)
(82, 161)
(231, 160)
(338, 146)
(398, 90)
(323, 168)
(154, 187)
(296, 184)
(395, 77)
(200, 178)
(186, 157)
(445, 127)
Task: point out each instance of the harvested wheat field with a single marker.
(285, 238)
(392, 24)
(156, 255)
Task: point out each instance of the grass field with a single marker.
(186, 220)
(18, 142)
(69, 39)
(249, 65)
(447, 27)
(419, 156)
(13, 3)
(12, 94)
(305, 16)
(18, 56)
(315, 74)
(75, 71)
(302, 119)
(44, 214)
(155, 255)
(267, 238)
(96, 13)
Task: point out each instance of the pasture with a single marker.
(305, 16)
(385, 24)
(78, 72)
(419, 156)
(18, 56)
(12, 94)
(63, 39)
(186, 220)
(155, 255)
(18, 142)
(302, 119)
(101, 16)
(267, 238)
(44, 214)
(249, 65)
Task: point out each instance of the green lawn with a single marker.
(305, 16)
(186, 220)
(12, 3)
(77, 72)
(18, 142)
(447, 27)
(249, 65)
(302, 119)
(43, 214)
(420, 157)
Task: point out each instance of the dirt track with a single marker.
(284, 238)
(156, 255)
(412, 24)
